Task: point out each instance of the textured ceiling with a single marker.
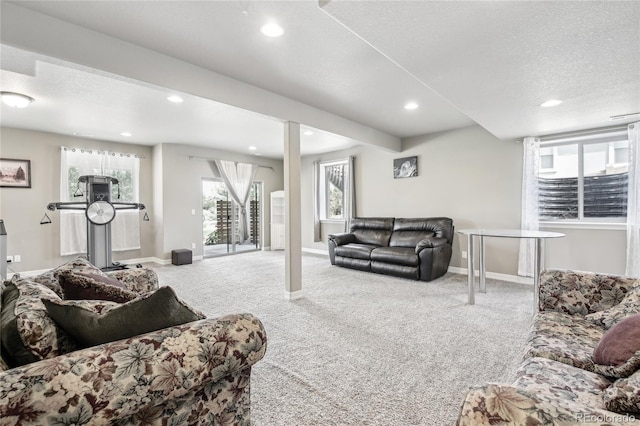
(485, 62)
(497, 61)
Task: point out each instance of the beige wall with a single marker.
(475, 179)
(170, 187)
(466, 174)
(22, 209)
(181, 191)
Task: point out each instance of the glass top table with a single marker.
(539, 236)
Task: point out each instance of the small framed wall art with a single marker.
(15, 173)
(405, 167)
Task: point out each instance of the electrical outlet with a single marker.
(464, 254)
(9, 259)
(17, 258)
(193, 245)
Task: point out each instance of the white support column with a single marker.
(293, 214)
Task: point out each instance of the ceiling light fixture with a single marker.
(16, 100)
(252, 148)
(308, 133)
(623, 116)
(272, 29)
(175, 99)
(550, 103)
(126, 134)
(410, 105)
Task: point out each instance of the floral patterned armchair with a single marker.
(559, 381)
(196, 373)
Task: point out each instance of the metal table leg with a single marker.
(470, 271)
(539, 264)
(483, 267)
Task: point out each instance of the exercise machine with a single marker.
(100, 212)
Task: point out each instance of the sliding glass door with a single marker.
(221, 216)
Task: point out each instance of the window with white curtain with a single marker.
(125, 228)
(332, 193)
(584, 178)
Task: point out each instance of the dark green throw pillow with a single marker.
(153, 311)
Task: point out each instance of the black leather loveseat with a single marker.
(414, 248)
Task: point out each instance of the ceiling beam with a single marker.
(35, 32)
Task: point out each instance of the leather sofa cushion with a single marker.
(355, 251)
(360, 264)
(408, 238)
(410, 272)
(439, 226)
(395, 255)
(376, 231)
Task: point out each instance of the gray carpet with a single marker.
(361, 348)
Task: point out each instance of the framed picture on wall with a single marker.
(405, 167)
(15, 173)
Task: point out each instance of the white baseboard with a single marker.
(494, 275)
(315, 251)
(293, 295)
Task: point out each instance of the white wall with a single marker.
(472, 177)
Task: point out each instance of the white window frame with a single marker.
(581, 142)
(323, 190)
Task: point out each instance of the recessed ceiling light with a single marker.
(272, 29)
(308, 133)
(16, 100)
(550, 103)
(126, 134)
(410, 105)
(252, 148)
(175, 99)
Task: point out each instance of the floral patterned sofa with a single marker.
(582, 318)
(197, 373)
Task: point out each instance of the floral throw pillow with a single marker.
(28, 334)
(629, 305)
(83, 286)
(50, 278)
(623, 396)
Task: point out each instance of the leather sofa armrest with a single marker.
(342, 239)
(431, 243)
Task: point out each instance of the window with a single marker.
(125, 229)
(584, 179)
(332, 182)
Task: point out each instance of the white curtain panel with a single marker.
(529, 215)
(73, 224)
(316, 202)
(633, 202)
(125, 228)
(239, 177)
(350, 193)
